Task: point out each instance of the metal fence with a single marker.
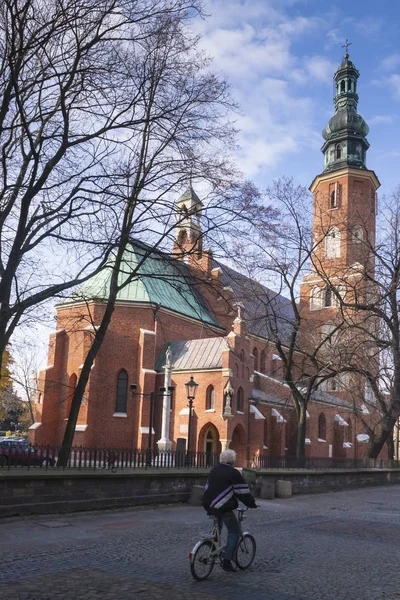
(292, 462)
(45, 457)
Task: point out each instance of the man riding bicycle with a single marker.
(224, 487)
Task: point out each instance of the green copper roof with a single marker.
(345, 134)
(160, 280)
(190, 194)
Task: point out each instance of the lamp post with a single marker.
(191, 389)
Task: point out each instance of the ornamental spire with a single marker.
(346, 45)
(345, 135)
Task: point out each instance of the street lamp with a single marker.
(191, 389)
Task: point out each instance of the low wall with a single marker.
(306, 481)
(43, 492)
(53, 491)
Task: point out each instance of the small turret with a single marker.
(188, 234)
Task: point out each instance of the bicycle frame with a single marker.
(215, 536)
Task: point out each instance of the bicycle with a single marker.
(209, 549)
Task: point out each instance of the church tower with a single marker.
(344, 197)
(188, 234)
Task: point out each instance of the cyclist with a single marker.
(224, 487)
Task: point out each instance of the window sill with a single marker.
(210, 410)
(123, 415)
(239, 412)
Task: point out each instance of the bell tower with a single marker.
(188, 234)
(345, 198)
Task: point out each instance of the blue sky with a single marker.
(280, 57)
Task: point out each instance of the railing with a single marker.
(112, 459)
(291, 462)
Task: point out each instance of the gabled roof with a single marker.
(265, 311)
(160, 280)
(194, 354)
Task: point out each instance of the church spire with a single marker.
(345, 135)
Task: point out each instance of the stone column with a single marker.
(225, 444)
(165, 443)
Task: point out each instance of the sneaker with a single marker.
(227, 566)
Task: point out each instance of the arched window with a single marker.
(333, 201)
(122, 389)
(342, 87)
(315, 298)
(242, 361)
(236, 370)
(322, 427)
(332, 243)
(357, 234)
(262, 362)
(328, 300)
(265, 434)
(210, 398)
(255, 354)
(338, 151)
(239, 400)
(71, 388)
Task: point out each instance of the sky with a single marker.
(280, 57)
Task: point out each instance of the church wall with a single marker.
(177, 328)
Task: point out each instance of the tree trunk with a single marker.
(390, 447)
(385, 435)
(301, 435)
(81, 385)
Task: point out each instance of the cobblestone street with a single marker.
(336, 546)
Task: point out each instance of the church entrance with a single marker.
(209, 444)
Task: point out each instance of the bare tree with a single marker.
(101, 103)
(283, 261)
(24, 375)
(370, 310)
(183, 138)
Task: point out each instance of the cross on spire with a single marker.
(346, 45)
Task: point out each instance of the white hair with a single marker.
(228, 456)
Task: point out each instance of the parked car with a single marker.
(18, 451)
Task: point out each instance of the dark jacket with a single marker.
(225, 486)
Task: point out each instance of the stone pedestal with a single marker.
(267, 491)
(164, 445)
(283, 489)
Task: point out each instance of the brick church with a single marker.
(200, 318)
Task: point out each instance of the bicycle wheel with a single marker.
(201, 562)
(246, 551)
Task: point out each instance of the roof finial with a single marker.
(346, 45)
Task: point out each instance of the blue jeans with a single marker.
(233, 527)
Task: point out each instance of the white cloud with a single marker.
(381, 120)
(367, 26)
(391, 62)
(394, 83)
(320, 68)
(252, 43)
